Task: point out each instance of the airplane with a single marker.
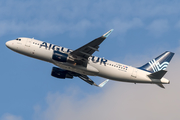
(81, 62)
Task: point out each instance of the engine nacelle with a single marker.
(59, 56)
(59, 73)
(62, 57)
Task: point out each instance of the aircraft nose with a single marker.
(9, 44)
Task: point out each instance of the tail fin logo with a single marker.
(159, 63)
(156, 66)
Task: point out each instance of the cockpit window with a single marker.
(18, 39)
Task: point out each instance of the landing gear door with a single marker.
(134, 73)
(28, 43)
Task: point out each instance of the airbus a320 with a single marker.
(81, 62)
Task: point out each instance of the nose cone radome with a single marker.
(8, 44)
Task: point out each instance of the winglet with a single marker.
(108, 33)
(103, 83)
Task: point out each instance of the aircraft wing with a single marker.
(83, 53)
(88, 80)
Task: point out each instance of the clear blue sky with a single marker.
(142, 30)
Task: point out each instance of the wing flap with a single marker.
(93, 48)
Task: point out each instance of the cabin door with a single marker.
(134, 73)
(28, 42)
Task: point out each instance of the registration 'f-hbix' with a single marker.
(80, 62)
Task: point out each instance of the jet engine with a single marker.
(59, 56)
(62, 57)
(60, 73)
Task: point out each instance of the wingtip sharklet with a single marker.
(103, 83)
(108, 33)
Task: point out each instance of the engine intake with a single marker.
(60, 73)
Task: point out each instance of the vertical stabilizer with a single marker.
(159, 63)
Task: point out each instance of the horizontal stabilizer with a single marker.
(160, 85)
(158, 74)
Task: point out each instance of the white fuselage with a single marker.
(96, 66)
